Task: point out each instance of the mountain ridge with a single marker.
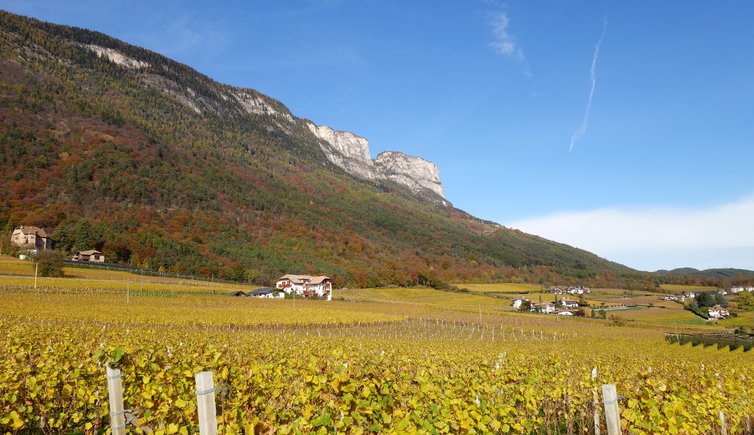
(343, 148)
(164, 168)
(727, 274)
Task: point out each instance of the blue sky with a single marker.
(660, 175)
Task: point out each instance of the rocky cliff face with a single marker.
(344, 149)
(414, 172)
(351, 153)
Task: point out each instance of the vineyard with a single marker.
(376, 365)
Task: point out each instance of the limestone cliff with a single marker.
(414, 172)
(351, 153)
(344, 149)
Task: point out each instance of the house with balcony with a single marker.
(305, 285)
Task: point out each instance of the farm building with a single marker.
(31, 238)
(569, 304)
(578, 290)
(266, 293)
(717, 311)
(91, 255)
(305, 285)
(546, 308)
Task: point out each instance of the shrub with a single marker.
(50, 263)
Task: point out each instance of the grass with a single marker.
(20, 273)
(134, 285)
(13, 266)
(428, 297)
(186, 310)
(487, 298)
(744, 318)
(506, 287)
(677, 288)
(661, 316)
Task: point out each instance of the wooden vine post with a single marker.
(612, 415)
(205, 403)
(115, 394)
(595, 403)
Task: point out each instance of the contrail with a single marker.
(593, 73)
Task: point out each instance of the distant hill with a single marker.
(727, 276)
(115, 147)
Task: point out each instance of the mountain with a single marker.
(112, 146)
(719, 277)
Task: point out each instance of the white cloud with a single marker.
(504, 43)
(657, 238)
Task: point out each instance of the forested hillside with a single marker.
(156, 166)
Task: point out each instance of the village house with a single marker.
(563, 313)
(572, 290)
(545, 308)
(739, 289)
(578, 290)
(682, 297)
(569, 304)
(91, 255)
(518, 302)
(717, 312)
(31, 238)
(305, 285)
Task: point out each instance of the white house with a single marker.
(563, 313)
(683, 296)
(305, 285)
(737, 289)
(578, 290)
(546, 308)
(518, 302)
(570, 304)
(717, 312)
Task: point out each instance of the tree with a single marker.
(720, 299)
(705, 299)
(745, 301)
(50, 263)
(692, 305)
